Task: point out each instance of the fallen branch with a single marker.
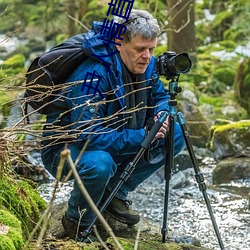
(66, 154)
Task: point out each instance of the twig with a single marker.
(66, 154)
(99, 238)
(77, 21)
(137, 236)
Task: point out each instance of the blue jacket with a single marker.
(100, 117)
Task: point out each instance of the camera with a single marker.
(171, 65)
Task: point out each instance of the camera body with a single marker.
(171, 65)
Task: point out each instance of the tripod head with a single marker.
(174, 89)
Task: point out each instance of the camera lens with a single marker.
(181, 63)
(171, 64)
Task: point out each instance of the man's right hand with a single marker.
(164, 128)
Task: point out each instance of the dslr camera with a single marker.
(171, 65)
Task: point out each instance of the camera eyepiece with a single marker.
(170, 64)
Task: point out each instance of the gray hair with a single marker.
(141, 23)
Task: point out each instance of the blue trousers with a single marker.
(100, 170)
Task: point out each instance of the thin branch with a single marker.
(66, 154)
(138, 236)
(79, 22)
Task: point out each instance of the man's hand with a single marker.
(164, 128)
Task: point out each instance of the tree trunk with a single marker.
(83, 8)
(72, 13)
(181, 27)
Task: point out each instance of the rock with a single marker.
(188, 95)
(181, 179)
(149, 238)
(231, 169)
(197, 125)
(231, 139)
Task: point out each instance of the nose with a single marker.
(146, 54)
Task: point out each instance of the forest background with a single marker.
(214, 33)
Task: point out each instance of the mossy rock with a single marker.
(128, 244)
(22, 200)
(10, 231)
(232, 139)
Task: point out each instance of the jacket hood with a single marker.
(98, 46)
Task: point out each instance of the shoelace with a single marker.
(127, 203)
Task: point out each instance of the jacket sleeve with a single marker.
(88, 119)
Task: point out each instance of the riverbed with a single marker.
(187, 212)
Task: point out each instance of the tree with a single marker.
(181, 26)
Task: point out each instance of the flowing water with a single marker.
(187, 212)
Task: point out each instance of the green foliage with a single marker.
(224, 75)
(219, 102)
(17, 61)
(242, 84)
(160, 50)
(12, 66)
(229, 23)
(214, 101)
(22, 200)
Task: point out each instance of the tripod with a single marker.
(169, 163)
(173, 90)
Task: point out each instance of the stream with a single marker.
(187, 212)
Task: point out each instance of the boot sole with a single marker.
(121, 219)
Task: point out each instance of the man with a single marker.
(109, 118)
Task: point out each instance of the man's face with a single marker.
(137, 54)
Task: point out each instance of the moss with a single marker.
(6, 243)
(9, 219)
(128, 244)
(22, 200)
(16, 237)
(13, 239)
(236, 125)
(225, 75)
(214, 101)
(16, 61)
(219, 102)
(238, 128)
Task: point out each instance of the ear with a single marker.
(118, 47)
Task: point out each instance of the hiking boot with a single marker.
(121, 211)
(75, 231)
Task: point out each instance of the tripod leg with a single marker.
(168, 173)
(129, 168)
(199, 177)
